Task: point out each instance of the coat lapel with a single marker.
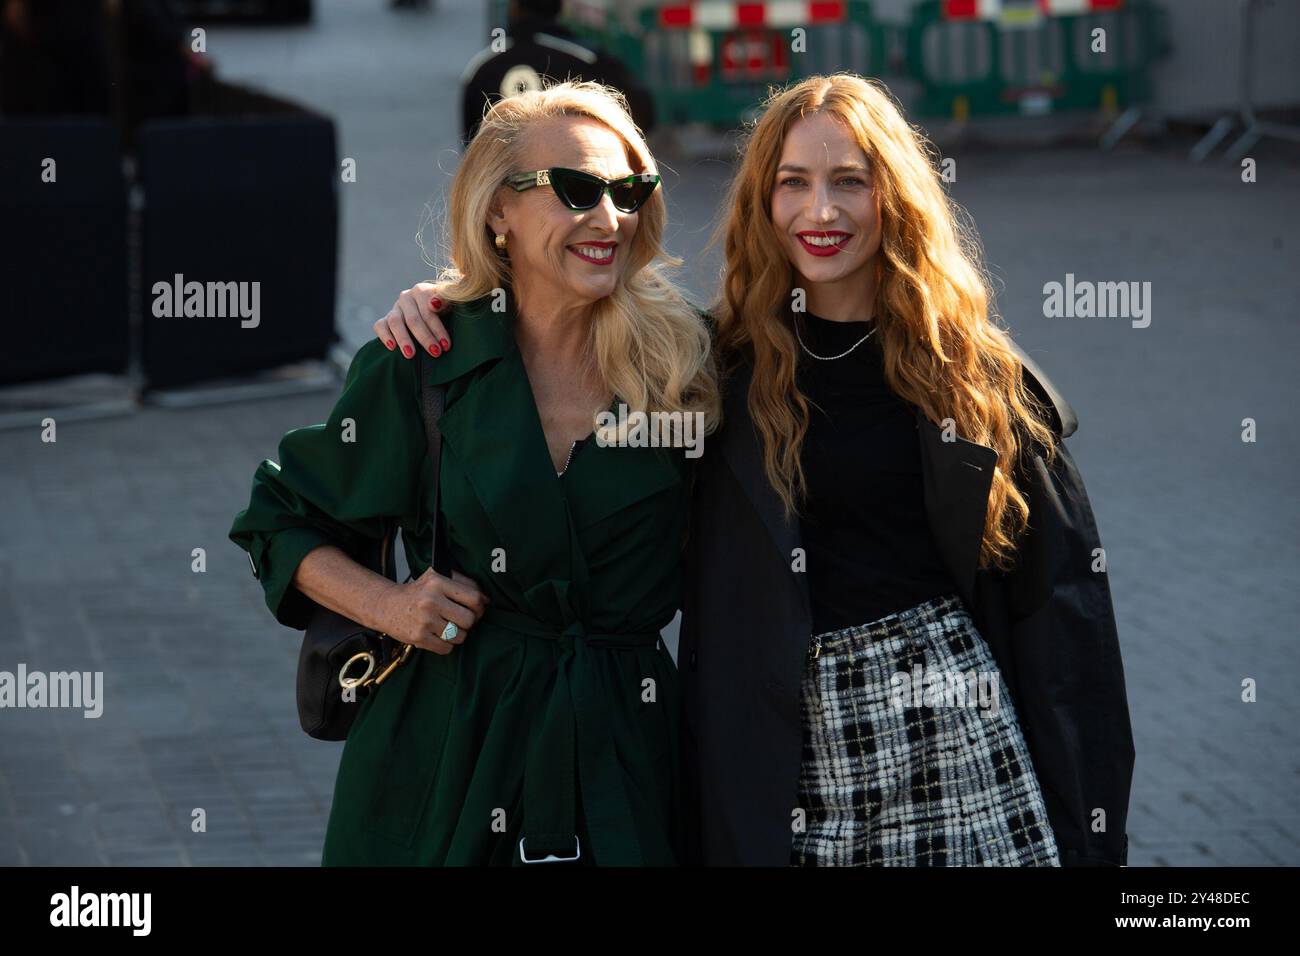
(743, 454)
(491, 428)
(958, 476)
(603, 480)
(493, 432)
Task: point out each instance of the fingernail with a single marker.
(446, 346)
(391, 344)
(434, 351)
(436, 302)
(407, 351)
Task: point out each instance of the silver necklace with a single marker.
(568, 460)
(830, 358)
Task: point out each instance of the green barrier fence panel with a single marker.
(1028, 63)
(715, 66)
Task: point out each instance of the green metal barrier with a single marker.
(1029, 63)
(713, 61)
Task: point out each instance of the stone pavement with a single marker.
(198, 679)
(1202, 531)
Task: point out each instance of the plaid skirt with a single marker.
(912, 754)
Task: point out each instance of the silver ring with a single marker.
(450, 631)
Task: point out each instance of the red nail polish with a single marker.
(445, 345)
(434, 351)
(407, 351)
(391, 344)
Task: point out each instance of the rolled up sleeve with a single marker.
(339, 482)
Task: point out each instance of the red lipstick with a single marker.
(598, 260)
(830, 242)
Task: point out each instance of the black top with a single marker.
(869, 547)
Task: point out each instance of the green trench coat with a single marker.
(559, 715)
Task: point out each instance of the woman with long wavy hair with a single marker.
(897, 642)
(543, 723)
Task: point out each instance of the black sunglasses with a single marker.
(579, 190)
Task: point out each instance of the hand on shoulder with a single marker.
(414, 322)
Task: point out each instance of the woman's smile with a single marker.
(823, 243)
(597, 253)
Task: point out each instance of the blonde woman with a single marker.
(898, 643)
(540, 720)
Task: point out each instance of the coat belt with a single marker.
(574, 729)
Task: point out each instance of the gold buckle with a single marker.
(350, 683)
(396, 662)
(366, 680)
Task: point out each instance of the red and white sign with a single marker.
(997, 9)
(754, 55)
(728, 15)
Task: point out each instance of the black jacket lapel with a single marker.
(958, 475)
(742, 452)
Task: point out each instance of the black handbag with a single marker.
(341, 663)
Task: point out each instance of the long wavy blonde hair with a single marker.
(942, 349)
(649, 345)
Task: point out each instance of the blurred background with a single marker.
(307, 146)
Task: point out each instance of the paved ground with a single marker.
(1202, 530)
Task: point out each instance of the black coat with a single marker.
(746, 626)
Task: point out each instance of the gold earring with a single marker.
(501, 243)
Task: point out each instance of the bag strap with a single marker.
(432, 400)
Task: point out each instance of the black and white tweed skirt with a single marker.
(912, 753)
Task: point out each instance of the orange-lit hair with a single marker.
(942, 350)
